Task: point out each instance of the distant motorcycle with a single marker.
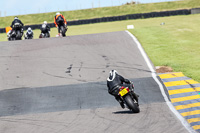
(45, 33)
(63, 28)
(29, 34)
(17, 32)
(129, 99)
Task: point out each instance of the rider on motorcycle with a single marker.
(45, 29)
(60, 18)
(115, 82)
(14, 22)
(29, 34)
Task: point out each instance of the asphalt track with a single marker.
(57, 85)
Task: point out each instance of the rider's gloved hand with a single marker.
(130, 82)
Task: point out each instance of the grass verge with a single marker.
(103, 12)
(175, 44)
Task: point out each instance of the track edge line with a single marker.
(153, 73)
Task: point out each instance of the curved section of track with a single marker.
(57, 85)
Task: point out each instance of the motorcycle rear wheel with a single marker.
(131, 104)
(18, 36)
(63, 31)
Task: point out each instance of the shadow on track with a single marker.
(124, 112)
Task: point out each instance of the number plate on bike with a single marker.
(123, 92)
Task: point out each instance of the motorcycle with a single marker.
(45, 33)
(17, 32)
(63, 28)
(129, 99)
(28, 35)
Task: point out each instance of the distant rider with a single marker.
(45, 29)
(29, 34)
(59, 20)
(16, 20)
(16, 23)
(115, 82)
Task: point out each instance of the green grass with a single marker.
(175, 44)
(102, 12)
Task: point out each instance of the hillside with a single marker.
(102, 12)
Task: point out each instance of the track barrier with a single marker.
(115, 18)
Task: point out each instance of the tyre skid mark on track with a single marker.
(69, 69)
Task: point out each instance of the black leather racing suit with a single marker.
(45, 29)
(116, 84)
(13, 23)
(16, 21)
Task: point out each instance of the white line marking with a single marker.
(153, 73)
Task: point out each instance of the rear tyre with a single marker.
(18, 36)
(132, 104)
(63, 31)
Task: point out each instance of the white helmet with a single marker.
(45, 22)
(57, 13)
(29, 28)
(16, 17)
(112, 75)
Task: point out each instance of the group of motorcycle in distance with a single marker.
(16, 33)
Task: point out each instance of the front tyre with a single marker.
(132, 105)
